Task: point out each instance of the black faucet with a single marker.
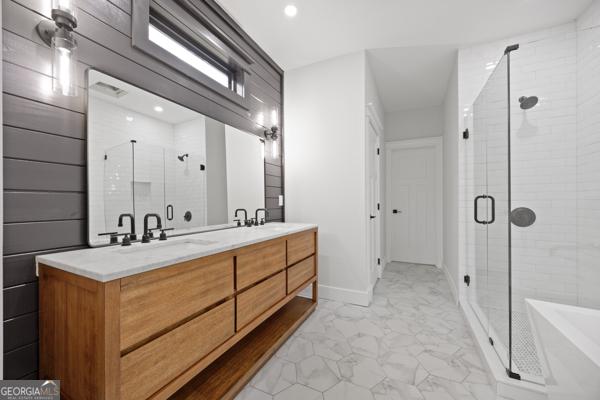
(132, 234)
(246, 220)
(262, 221)
(146, 236)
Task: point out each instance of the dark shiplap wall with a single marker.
(44, 141)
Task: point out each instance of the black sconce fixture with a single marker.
(58, 34)
(271, 135)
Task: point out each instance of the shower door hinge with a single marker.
(379, 261)
(513, 375)
(378, 205)
(467, 280)
(466, 134)
(378, 151)
(491, 341)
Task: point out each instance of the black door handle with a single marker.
(372, 217)
(475, 209)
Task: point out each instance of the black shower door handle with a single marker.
(493, 209)
(476, 209)
(170, 212)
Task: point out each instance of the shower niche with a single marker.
(149, 155)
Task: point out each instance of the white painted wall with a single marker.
(245, 171)
(216, 173)
(325, 168)
(414, 124)
(452, 137)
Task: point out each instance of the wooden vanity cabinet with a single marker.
(175, 332)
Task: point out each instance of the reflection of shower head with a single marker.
(183, 157)
(528, 102)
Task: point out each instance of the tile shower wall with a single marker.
(588, 156)
(544, 172)
(543, 158)
(44, 140)
(190, 181)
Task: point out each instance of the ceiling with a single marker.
(410, 78)
(327, 28)
(141, 101)
(324, 29)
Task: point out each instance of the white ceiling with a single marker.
(327, 28)
(142, 101)
(324, 29)
(410, 78)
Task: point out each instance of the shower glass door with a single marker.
(489, 296)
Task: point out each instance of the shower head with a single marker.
(528, 102)
(183, 157)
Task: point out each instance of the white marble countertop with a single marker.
(108, 263)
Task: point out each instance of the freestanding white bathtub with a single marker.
(568, 344)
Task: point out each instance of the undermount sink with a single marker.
(174, 246)
(568, 343)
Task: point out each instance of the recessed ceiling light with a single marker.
(290, 10)
(129, 118)
(158, 109)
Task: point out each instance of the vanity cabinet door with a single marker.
(146, 370)
(259, 261)
(258, 299)
(300, 273)
(155, 301)
(300, 246)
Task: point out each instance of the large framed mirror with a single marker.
(148, 155)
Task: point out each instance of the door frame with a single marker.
(374, 121)
(437, 143)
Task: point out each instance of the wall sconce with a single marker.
(58, 34)
(271, 135)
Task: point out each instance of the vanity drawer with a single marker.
(149, 368)
(300, 273)
(258, 299)
(154, 301)
(259, 261)
(300, 246)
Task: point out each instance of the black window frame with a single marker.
(185, 23)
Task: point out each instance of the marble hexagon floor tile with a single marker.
(412, 343)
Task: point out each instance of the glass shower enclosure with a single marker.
(490, 293)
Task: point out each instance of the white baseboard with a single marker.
(343, 295)
(451, 283)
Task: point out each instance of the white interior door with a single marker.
(413, 215)
(372, 203)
